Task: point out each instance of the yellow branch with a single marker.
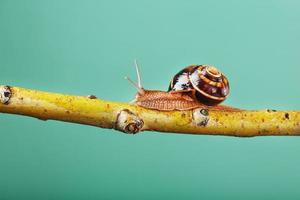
(132, 119)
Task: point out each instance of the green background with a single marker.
(87, 47)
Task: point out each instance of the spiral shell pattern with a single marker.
(208, 85)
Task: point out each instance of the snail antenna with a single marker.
(140, 90)
(138, 85)
(132, 82)
(137, 68)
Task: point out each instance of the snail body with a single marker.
(167, 101)
(196, 86)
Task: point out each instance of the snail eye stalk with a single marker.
(138, 85)
(137, 68)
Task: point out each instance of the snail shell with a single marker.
(206, 83)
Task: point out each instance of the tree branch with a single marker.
(132, 119)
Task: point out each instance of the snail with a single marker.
(196, 86)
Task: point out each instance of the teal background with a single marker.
(87, 47)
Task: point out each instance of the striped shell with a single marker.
(207, 84)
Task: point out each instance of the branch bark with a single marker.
(132, 119)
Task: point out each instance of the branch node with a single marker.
(271, 110)
(200, 116)
(128, 122)
(92, 96)
(5, 94)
